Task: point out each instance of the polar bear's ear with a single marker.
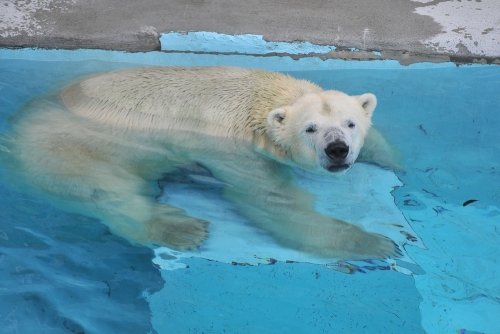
(368, 101)
(276, 120)
(276, 117)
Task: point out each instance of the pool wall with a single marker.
(453, 286)
(449, 289)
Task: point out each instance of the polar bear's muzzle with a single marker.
(337, 152)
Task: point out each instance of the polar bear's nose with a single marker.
(337, 150)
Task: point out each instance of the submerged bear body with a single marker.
(99, 145)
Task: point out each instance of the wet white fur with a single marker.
(100, 143)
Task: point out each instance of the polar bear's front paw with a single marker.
(371, 245)
(186, 234)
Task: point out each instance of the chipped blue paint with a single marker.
(158, 58)
(202, 41)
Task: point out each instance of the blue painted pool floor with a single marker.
(67, 273)
(60, 278)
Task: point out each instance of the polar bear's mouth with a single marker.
(338, 168)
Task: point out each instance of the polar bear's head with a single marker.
(325, 129)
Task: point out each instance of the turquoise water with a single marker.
(65, 273)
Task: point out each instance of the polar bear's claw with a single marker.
(387, 248)
(372, 245)
(187, 234)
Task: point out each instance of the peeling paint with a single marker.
(248, 44)
(203, 41)
(467, 29)
(157, 58)
(18, 18)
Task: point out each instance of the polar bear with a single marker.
(99, 146)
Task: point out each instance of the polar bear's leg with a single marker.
(82, 177)
(127, 204)
(268, 198)
(295, 223)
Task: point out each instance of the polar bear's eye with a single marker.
(311, 129)
(351, 125)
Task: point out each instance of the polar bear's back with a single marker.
(216, 100)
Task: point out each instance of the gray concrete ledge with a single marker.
(407, 30)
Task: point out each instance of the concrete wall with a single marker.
(408, 30)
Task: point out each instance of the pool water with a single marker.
(66, 273)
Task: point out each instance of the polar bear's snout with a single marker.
(337, 150)
(337, 153)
